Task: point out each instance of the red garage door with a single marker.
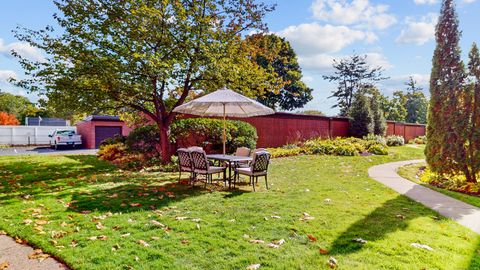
(104, 132)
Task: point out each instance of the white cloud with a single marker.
(360, 13)
(322, 63)
(313, 38)
(22, 48)
(5, 75)
(419, 32)
(468, 1)
(425, 2)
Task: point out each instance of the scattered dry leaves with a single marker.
(253, 266)
(38, 255)
(312, 238)
(4, 265)
(143, 243)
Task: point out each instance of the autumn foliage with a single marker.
(7, 119)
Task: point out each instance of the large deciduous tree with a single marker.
(352, 74)
(276, 55)
(147, 56)
(17, 105)
(445, 151)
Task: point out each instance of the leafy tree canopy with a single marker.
(275, 54)
(352, 74)
(17, 105)
(145, 56)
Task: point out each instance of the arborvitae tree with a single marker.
(379, 122)
(444, 147)
(473, 107)
(416, 103)
(361, 118)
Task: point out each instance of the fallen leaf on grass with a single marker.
(279, 242)
(115, 247)
(400, 216)
(20, 241)
(41, 222)
(135, 205)
(27, 221)
(38, 255)
(103, 237)
(417, 245)
(4, 265)
(253, 266)
(272, 245)
(181, 218)
(276, 217)
(312, 238)
(306, 217)
(332, 263)
(143, 243)
(73, 243)
(3, 233)
(255, 241)
(185, 241)
(360, 240)
(156, 223)
(100, 226)
(125, 235)
(323, 251)
(155, 238)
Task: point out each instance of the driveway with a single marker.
(14, 151)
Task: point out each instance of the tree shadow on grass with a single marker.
(392, 216)
(31, 177)
(475, 260)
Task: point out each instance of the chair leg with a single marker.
(253, 182)
(179, 175)
(266, 182)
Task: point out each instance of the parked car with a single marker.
(62, 137)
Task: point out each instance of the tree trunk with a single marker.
(165, 150)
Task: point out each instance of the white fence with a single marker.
(27, 135)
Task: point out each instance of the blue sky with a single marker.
(397, 35)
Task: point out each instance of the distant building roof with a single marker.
(102, 118)
(44, 121)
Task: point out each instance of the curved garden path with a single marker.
(463, 213)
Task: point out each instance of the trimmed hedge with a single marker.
(207, 133)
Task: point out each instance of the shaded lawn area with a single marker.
(79, 197)
(410, 172)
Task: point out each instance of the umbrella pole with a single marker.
(224, 129)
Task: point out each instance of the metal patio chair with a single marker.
(258, 167)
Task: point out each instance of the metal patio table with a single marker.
(231, 160)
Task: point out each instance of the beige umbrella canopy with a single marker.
(224, 103)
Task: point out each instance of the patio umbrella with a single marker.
(224, 103)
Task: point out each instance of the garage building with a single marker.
(96, 128)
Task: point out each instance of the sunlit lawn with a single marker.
(148, 221)
(411, 172)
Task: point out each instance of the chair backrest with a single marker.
(260, 161)
(259, 150)
(200, 161)
(195, 148)
(184, 158)
(242, 152)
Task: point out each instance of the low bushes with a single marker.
(395, 140)
(419, 140)
(456, 183)
(337, 147)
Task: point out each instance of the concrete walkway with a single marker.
(16, 256)
(463, 213)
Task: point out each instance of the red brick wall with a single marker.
(87, 130)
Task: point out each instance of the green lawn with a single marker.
(411, 172)
(317, 204)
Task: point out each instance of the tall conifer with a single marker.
(446, 81)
